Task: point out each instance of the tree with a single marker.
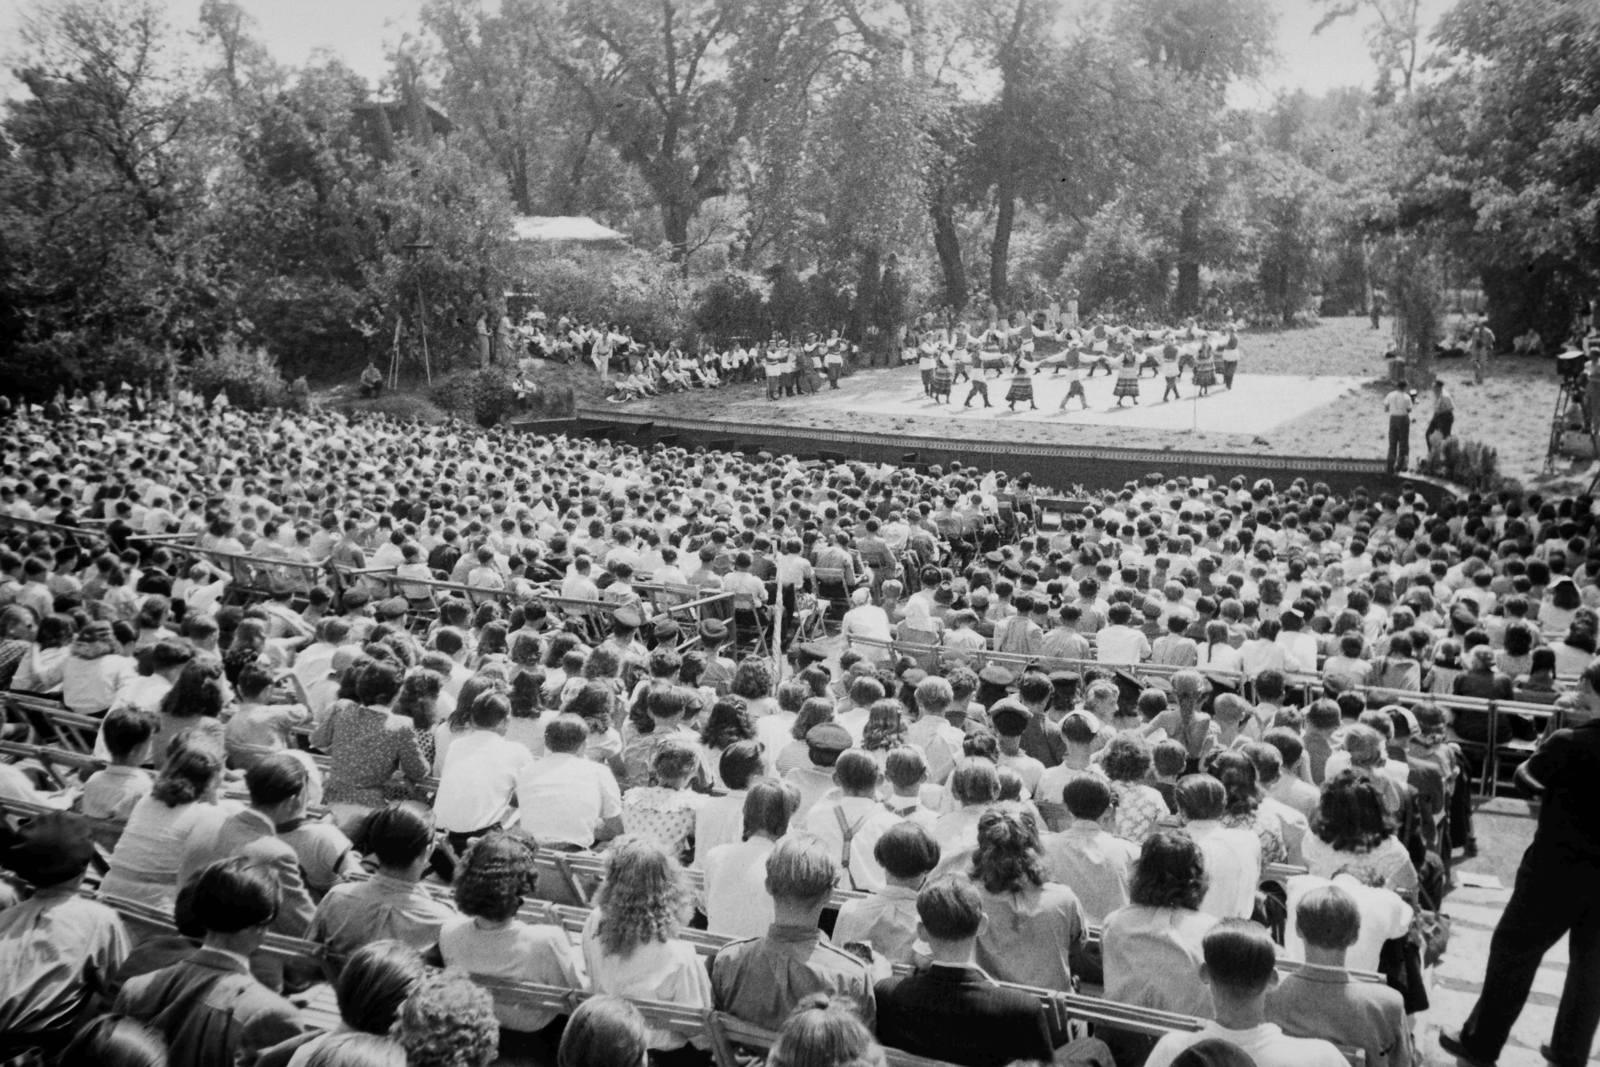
(101, 194)
(1206, 45)
(1394, 37)
(676, 86)
(1507, 141)
(513, 108)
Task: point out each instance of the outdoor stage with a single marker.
(882, 416)
(1257, 406)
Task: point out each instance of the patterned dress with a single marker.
(1021, 384)
(1205, 368)
(1127, 376)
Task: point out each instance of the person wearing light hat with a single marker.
(57, 939)
(994, 681)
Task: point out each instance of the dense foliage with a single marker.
(780, 164)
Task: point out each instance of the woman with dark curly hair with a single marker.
(193, 705)
(180, 808)
(1139, 808)
(448, 1021)
(493, 878)
(660, 714)
(1243, 806)
(754, 682)
(596, 704)
(630, 941)
(885, 730)
(813, 712)
(1035, 927)
(1152, 948)
(418, 695)
(1351, 831)
(727, 724)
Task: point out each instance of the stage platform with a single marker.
(882, 416)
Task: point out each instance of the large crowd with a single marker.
(1189, 747)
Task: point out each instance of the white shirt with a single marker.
(1266, 1045)
(720, 821)
(481, 770)
(1121, 644)
(563, 797)
(661, 970)
(870, 819)
(736, 898)
(1383, 915)
(1233, 867)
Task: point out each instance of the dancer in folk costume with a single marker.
(1101, 340)
(787, 351)
(1230, 357)
(944, 375)
(1205, 367)
(806, 378)
(1022, 373)
(1171, 368)
(927, 359)
(833, 359)
(772, 363)
(1127, 377)
(966, 349)
(1074, 378)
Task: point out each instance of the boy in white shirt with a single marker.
(1241, 968)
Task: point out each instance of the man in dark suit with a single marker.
(953, 1011)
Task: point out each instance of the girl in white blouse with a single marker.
(630, 942)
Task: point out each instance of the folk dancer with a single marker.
(1127, 377)
(943, 375)
(772, 361)
(1171, 368)
(1074, 378)
(806, 378)
(1022, 373)
(1230, 357)
(1205, 367)
(833, 359)
(927, 359)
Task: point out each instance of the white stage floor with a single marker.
(1256, 404)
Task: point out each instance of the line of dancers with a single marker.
(951, 356)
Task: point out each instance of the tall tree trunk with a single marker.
(676, 212)
(1000, 249)
(947, 242)
(1187, 299)
(867, 297)
(521, 193)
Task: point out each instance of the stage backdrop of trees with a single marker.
(779, 164)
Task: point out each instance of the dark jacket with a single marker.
(960, 1015)
(209, 1010)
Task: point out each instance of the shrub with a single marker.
(1468, 463)
(484, 396)
(249, 375)
(638, 290)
